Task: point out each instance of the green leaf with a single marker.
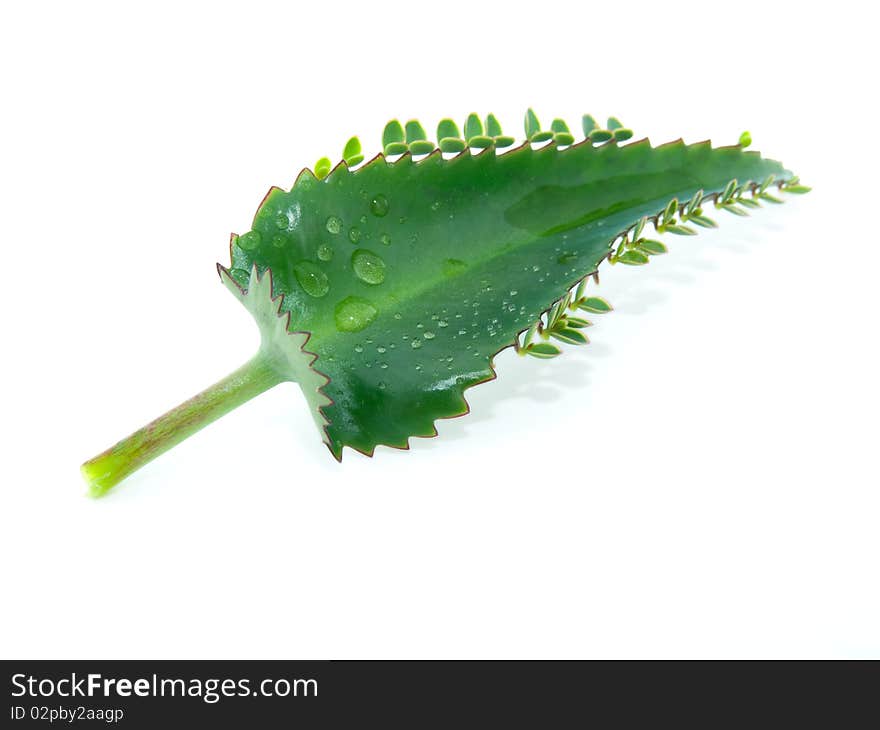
(416, 139)
(597, 305)
(702, 221)
(543, 350)
(749, 202)
(570, 335)
(447, 128)
(728, 191)
(473, 127)
(679, 230)
(652, 248)
(386, 292)
(671, 210)
(600, 135)
(745, 139)
(588, 124)
(352, 152)
(633, 258)
(623, 134)
(768, 181)
(796, 189)
(532, 125)
(614, 123)
(393, 139)
(770, 198)
(731, 208)
(561, 134)
(577, 322)
(493, 126)
(322, 168)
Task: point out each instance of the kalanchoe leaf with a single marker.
(614, 123)
(561, 134)
(543, 350)
(702, 221)
(749, 202)
(679, 230)
(322, 168)
(577, 322)
(632, 258)
(448, 137)
(570, 335)
(416, 138)
(728, 191)
(473, 127)
(393, 139)
(796, 189)
(770, 198)
(588, 124)
(600, 135)
(385, 292)
(652, 248)
(731, 208)
(597, 305)
(352, 152)
(745, 139)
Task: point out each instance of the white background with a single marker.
(701, 481)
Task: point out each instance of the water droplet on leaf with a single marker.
(311, 278)
(334, 224)
(354, 235)
(379, 206)
(368, 267)
(353, 314)
(325, 253)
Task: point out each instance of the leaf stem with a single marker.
(112, 466)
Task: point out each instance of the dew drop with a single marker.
(353, 314)
(442, 323)
(380, 349)
(281, 221)
(386, 239)
(368, 267)
(358, 348)
(279, 240)
(383, 365)
(354, 235)
(249, 241)
(416, 344)
(334, 224)
(379, 206)
(311, 278)
(382, 386)
(435, 205)
(325, 253)
(429, 335)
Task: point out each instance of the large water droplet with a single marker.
(368, 267)
(311, 278)
(379, 205)
(325, 253)
(249, 241)
(353, 314)
(334, 224)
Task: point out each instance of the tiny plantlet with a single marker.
(386, 288)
